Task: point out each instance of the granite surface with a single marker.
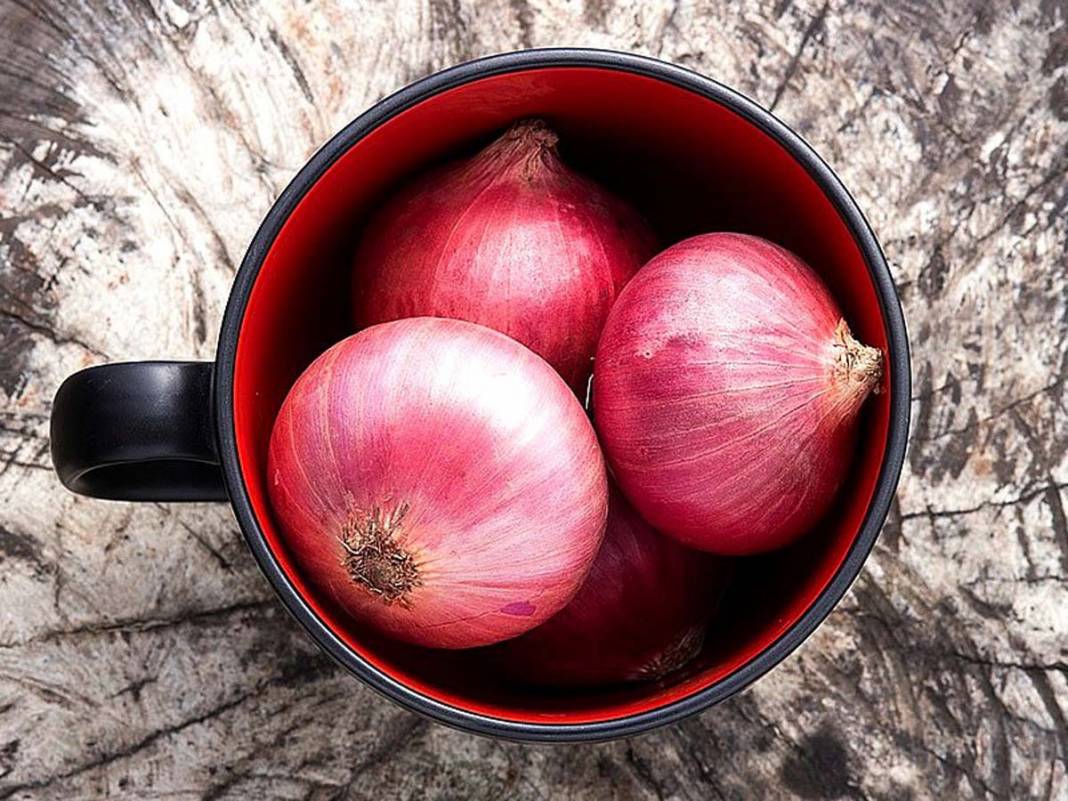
(142, 656)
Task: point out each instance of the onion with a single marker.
(726, 392)
(511, 239)
(641, 614)
(439, 481)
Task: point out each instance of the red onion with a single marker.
(726, 393)
(641, 614)
(440, 481)
(510, 239)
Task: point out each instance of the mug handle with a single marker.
(138, 431)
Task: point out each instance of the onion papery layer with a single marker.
(439, 481)
(511, 239)
(726, 393)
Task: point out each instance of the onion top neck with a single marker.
(529, 146)
(857, 370)
(374, 558)
(679, 653)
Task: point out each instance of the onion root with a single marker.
(375, 560)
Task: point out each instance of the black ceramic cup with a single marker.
(694, 156)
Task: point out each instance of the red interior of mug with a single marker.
(691, 165)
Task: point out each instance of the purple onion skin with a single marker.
(511, 239)
(439, 481)
(726, 391)
(642, 613)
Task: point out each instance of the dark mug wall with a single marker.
(694, 156)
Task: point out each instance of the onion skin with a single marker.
(511, 239)
(641, 614)
(726, 393)
(439, 481)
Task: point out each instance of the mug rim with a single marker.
(450, 78)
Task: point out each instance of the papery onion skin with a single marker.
(641, 615)
(439, 481)
(726, 393)
(511, 239)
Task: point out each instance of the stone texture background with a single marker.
(142, 656)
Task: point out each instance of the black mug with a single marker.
(695, 156)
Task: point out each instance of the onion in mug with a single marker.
(440, 481)
(726, 393)
(641, 615)
(511, 239)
